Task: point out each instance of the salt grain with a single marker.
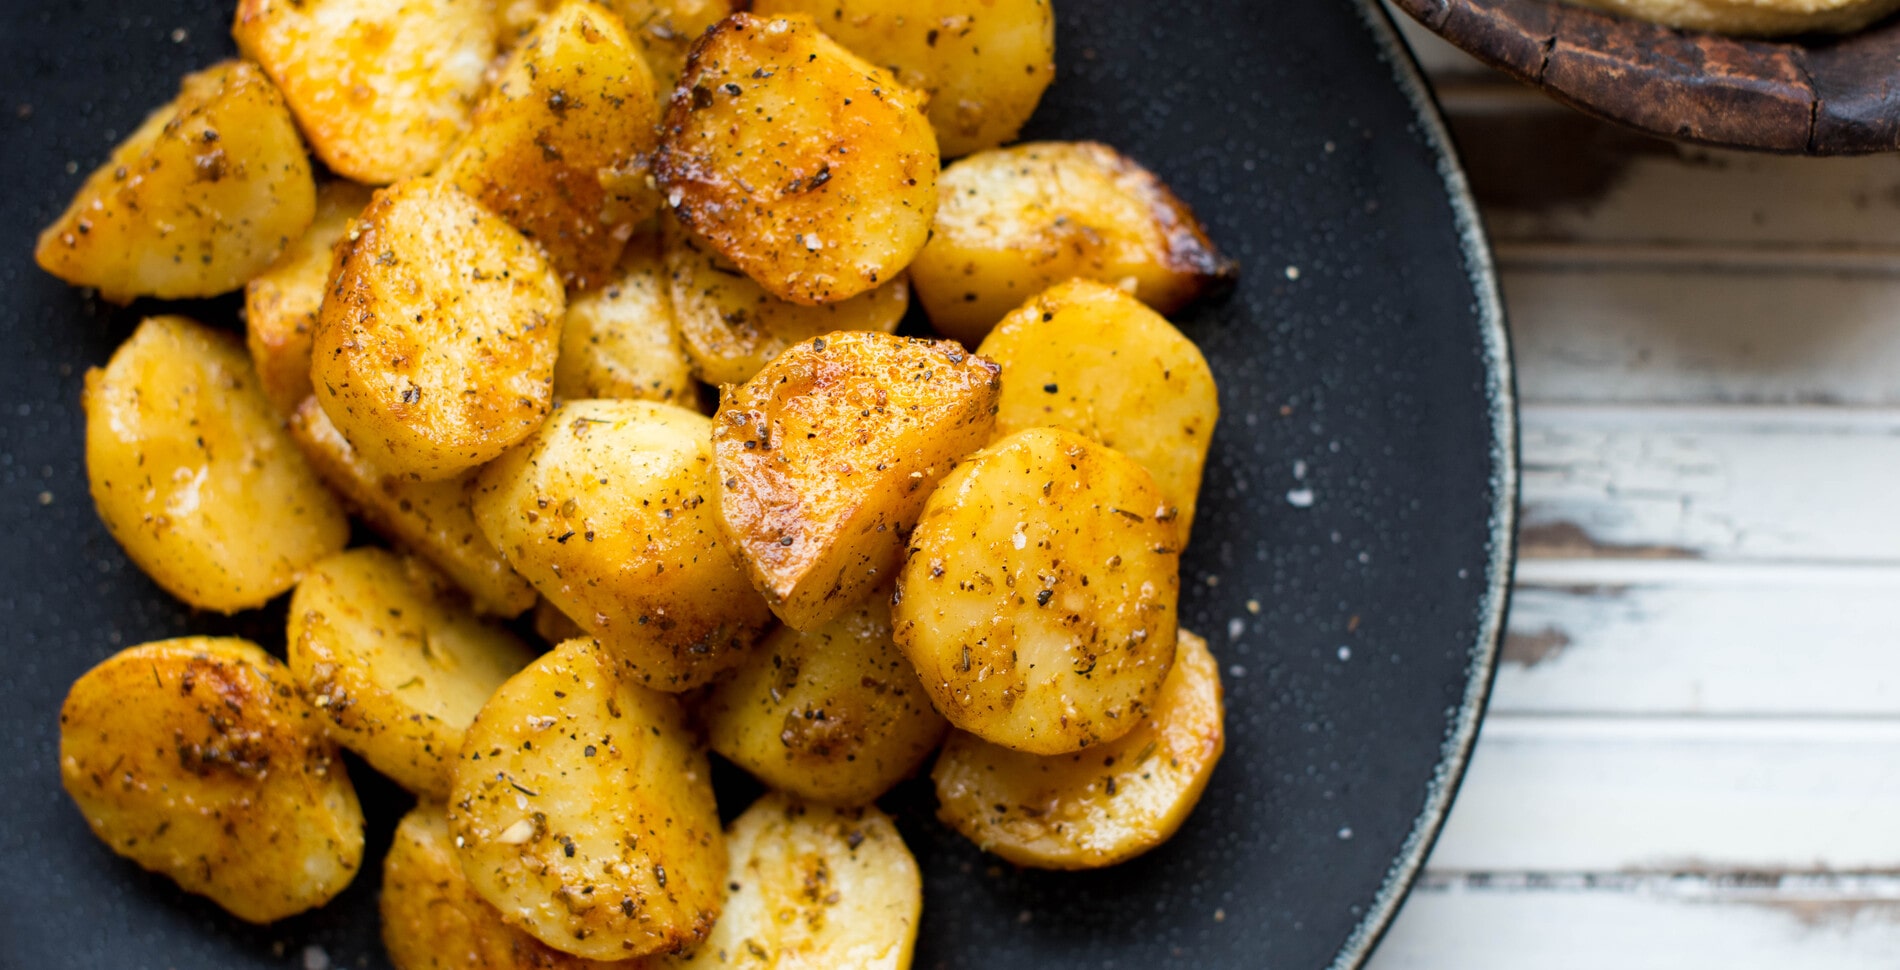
(1300, 498)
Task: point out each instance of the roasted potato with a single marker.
(835, 715)
(400, 666)
(1038, 602)
(280, 304)
(435, 346)
(559, 146)
(193, 474)
(1095, 807)
(203, 196)
(983, 63)
(826, 456)
(381, 88)
(584, 813)
(606, 511)
(815, 887)
(811, 170)
(732, 327)
(621, 340)
(435, 520)
(663, 29)
(1090, 358)
(196, 759)
(1015, 221)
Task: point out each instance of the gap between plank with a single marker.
(1505, 727)
(1563, 256)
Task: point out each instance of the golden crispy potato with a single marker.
(559, 145)
(583, 812)
(814, 887)
(663, 29)
(1090, 358)
(983, 63)
(196, 759)
(1038, 602)
(606, 511)
(621, 341)
(201, 197)
(732, 327)
(835, 715)
(400, 666)
(1095, 807)
(435, 520)
(826, 456)
(808, 168)
(280, 304)
(1015, 221)
(381, 88)
(193, 474)
(435, 346)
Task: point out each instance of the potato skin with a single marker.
(280, 304)
(826, 456)
(381, 88)
(1088, 357)
(559, 145)
(621, 340)
(199, 199)
(1015, 221)
(833, 716)
(192, 472)
(809, 169)
(1096, 807)
(1038, 600)
(983, 63)
(400, 667)
(435, 346)
(196, 759)
(607, 512)
(584, 813)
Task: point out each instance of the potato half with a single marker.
(203, 196)
(815, 887)
(280, 304)
(1095, 807)
(807, 167)
(400, 666)
(435, 346)
(826, 456)
(1038, 602)
(195, 758)
(192, 472)
(584, 813)
(1015, 221)
(621, 340)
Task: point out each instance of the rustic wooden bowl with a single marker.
(1806, 95)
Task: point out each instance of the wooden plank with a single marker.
(1438, 59)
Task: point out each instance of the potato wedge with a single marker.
(435, 520)
(1038, 602)
(381, 88)
(584, 813)
(1090, 358)
(193, 474)
(732, 327)
(1015, 221)
(1095, 807)
(621, 340)
(398, 664)
(280, 304)
(834, 716)
(826, 456)
(196, 759)
(559, 146)
(815, 887)
(435, 346)
(606, 511)
(203, 196)
(811, 170)
(983, 63)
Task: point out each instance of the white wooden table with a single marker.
(1693, 753)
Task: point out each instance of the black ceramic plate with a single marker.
(1350, 556)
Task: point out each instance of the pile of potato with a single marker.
(875, 549)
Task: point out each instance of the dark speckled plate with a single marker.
(1349, 566)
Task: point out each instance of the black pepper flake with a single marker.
(1042, 598)
(659, 874)
(734, 89)
(1050, 388)
(784, 540)
(569, 534)
(818, 344)
(589, 751)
